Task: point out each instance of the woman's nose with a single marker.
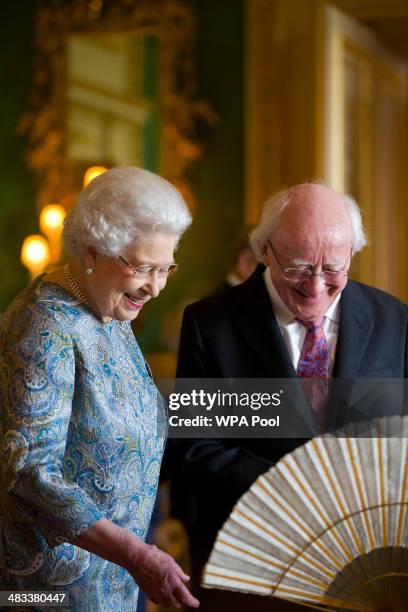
(153, 284)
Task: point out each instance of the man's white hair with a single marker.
(276, 204)
(121, 207)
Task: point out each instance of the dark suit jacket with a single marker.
(235, 334)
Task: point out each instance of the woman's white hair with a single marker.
(276, 204)
(121, 207)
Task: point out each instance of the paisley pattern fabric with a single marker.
(82, 436)
(314, 357)
(313, 367)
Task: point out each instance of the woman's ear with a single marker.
(90, 257)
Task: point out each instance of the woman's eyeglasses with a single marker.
(147, 271)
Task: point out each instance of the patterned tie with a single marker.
(314, 364)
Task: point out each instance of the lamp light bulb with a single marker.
(92, 173)
(52, 218)
(35, 254)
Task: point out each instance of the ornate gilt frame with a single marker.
(44, 123)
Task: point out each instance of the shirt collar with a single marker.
(285, 316)
(233, 279)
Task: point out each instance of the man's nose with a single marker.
(315, 284)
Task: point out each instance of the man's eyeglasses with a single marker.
(147, 271)
(305, 273)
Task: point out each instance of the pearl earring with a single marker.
(89, 271)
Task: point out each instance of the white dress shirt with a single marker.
(233, 280)
(294, 332)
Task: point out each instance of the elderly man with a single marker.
(269, 327)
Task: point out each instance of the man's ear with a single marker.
(265, 256)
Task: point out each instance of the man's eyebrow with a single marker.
(302, 262)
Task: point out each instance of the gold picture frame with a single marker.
(45, 123)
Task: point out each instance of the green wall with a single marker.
(17, 190)
(206, 251)
(219, 178)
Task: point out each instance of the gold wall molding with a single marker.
(325, 100)
(283, 110)
(264, 33)
(366, 143)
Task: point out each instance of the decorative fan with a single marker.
(327, 526)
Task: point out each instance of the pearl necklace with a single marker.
(75, 289)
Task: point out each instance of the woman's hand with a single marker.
(157, 574)
(161, 578)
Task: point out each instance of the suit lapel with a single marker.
(254, 314)
(355, 328)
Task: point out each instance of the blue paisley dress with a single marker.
(82, 436)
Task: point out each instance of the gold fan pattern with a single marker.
(326, 526)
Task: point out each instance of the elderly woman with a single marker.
(82, 429)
